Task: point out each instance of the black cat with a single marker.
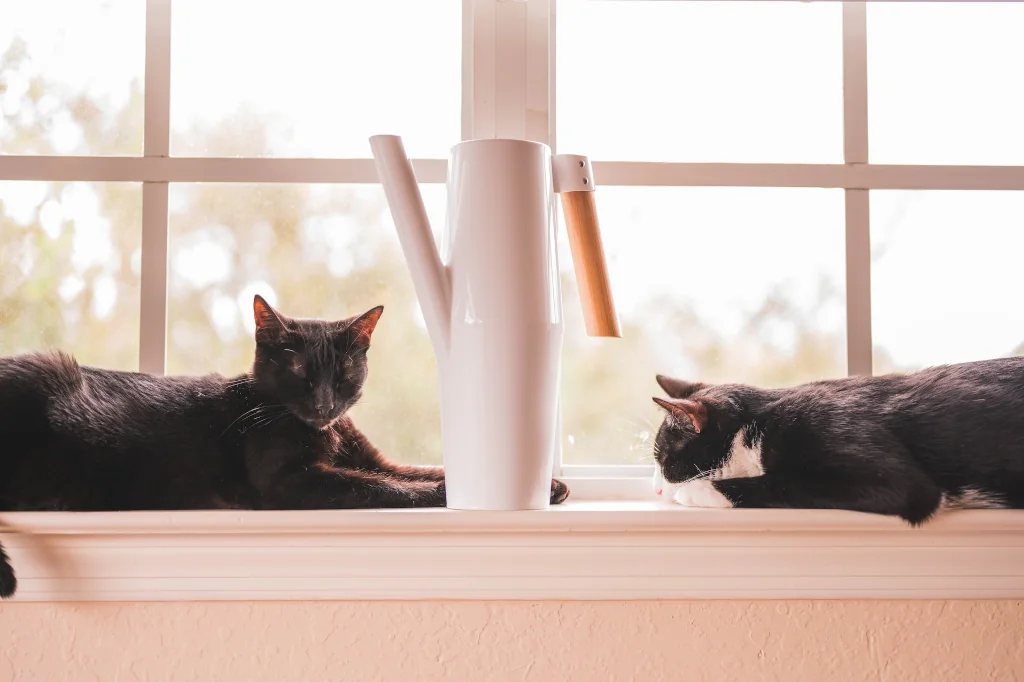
(83, 439)
(906, 445)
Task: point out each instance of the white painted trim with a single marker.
(858, 216)
(602, 487)
(157, 102)
(479, 80)
(539, 104)
(855, 83)
(144, 169)
(579, 551)
(509, 69)
(611, 173)
(859, 347)
(153, 279)
(836, 176)
(156, 144)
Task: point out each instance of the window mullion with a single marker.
(156, 143)
(858, 227)
(508, 69)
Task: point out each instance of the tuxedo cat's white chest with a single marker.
(744, 461)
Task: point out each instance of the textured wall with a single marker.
(648, 641)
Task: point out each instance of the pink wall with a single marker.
(549, 641)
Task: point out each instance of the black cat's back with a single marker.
(84, 438)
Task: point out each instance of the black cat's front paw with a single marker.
(559, 491)
(440, 495)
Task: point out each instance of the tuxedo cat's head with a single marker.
(314, 368)
(701, 434)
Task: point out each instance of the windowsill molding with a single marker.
(582, 550)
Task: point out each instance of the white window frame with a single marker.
(581, 549)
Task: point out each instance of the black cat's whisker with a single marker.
(266, 418)
(257, 424)
(254, 412)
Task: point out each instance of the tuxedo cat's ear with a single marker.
(677, 388)
(362, 328)
(691, 410)
(270, 327)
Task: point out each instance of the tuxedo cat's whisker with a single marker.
(700, 476)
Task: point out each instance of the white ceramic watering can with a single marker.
(492, 305)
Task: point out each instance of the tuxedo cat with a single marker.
(906, 445)
(78, 438)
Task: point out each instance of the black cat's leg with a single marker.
(913, 500)
(356, 450)
(559, 490)
(410, 472)
(324, 487)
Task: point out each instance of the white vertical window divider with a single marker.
(156, 144)
(858, 218)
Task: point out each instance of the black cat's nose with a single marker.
(324, 410)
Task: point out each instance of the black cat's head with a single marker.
(696, 436)
(314, 368)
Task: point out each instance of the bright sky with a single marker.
(665, 81)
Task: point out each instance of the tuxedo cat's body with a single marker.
(906, 445)
(78, 438)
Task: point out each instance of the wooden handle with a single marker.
(588, 260)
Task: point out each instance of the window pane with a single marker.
(946, 277)
(700, 81)
(314, 78)
(313, 251)
(715, 284)
(945, 82)
(69, 270)
(71, 76)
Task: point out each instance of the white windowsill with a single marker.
(582, 550)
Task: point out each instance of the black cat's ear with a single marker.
(270, 327)
(677, 388)
(692, 411)
(362, 328)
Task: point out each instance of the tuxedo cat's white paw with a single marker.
(701, 494)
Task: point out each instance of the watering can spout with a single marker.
(429, 275)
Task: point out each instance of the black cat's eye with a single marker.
(294, 364)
